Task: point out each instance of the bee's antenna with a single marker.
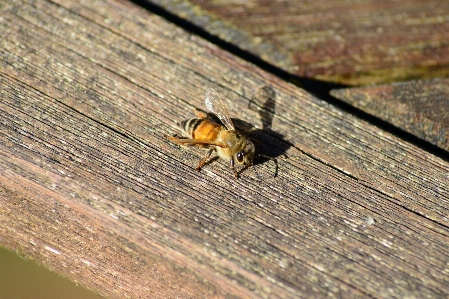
(272, 159)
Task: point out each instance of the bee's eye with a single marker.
(240, 157)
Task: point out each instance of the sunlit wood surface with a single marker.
(91, 188)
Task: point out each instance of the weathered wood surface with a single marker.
(349, 42)
(418, 107)
(91, 189)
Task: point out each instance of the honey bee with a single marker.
(204, 132)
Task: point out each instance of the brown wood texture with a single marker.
(418, 107)
(90, 187)
(349, 42)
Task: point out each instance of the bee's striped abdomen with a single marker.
(200, 128)
(190, 125)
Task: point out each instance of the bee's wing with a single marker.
(215, 105)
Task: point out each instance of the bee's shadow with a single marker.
(270, 145)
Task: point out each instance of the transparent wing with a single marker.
(215, 105)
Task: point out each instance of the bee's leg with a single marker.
(231, 163)
(176, 139)
(199, 142)
(209, 152)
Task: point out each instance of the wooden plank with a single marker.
(417, 107)
(92, 189)
(348, 42)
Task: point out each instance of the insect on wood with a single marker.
(224, 139)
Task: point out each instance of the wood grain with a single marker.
(418, 107)
(348, 42)
(91, 188)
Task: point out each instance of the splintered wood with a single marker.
(91, 188)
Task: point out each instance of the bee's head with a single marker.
(246, 155)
